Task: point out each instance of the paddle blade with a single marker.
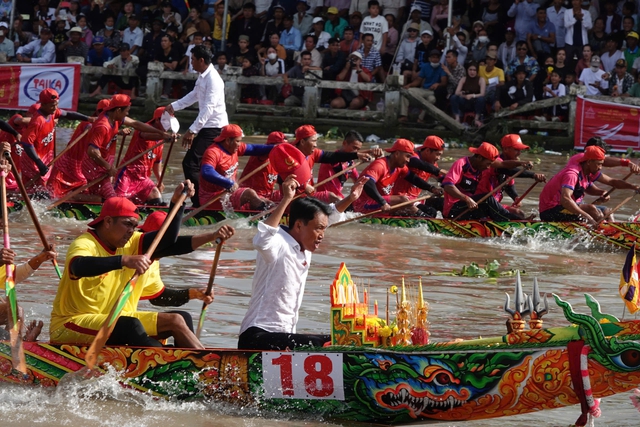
(17, 352)
(57, 267)
(203, 314)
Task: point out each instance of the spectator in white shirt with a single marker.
(576, 22)
(555, 13)
(41, 51)
(507, 49)
(595, 79)
(317, 29)
(377, 25)
(612, 54)
(133, 36)
(212, 114)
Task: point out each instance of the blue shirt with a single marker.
(291, 39)
(98, 61)
(545, 31)
(430, 75)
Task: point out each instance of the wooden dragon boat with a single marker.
(385, 373)
(618, 234)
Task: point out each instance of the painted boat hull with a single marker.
(618, 234)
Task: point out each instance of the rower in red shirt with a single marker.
(38, 139)
(425, 165)
(264, 181)
(11, 131)
(220, 166)
(66, 172)
(352, 143)
(504, 167)
(306, 141)
(384, 173)
(461, 187)
(134, 181)
(98, 144)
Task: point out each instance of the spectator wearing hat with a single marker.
(469, 95)
(426, 45)
(518, 91)
(339, 8)
(376, 25)
(523, 60)
(274, 25)
(407, 50)
(124, 61)
(333, 60)
(621, 81)
(439, 17)
(524, 11)
(41, 51)
(507, 49)
(577, 21)
(335, 24)
(290, 37)
(133, 35)
(594, 78)
(555, 13)
(322, 37)
(169, 16)
(247, 24)
(241, 50)
(218, 24)
(415, 17)
(111, 37)
(349, 44)
(493, 77)
(632, 52)
(302, 19)
(74, 46)
(6, 45)
(542, 35)
(98, 55)
(353, 72)
(431, 84)
(371, 58)
(611, 55)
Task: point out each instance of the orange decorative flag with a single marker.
(629, 282)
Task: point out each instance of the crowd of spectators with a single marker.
(496, 54)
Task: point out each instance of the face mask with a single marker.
(483, 39)
(272, 56)
(594, 68)
(1, 33)
(84, 28)
(434, 64)
(108, 27)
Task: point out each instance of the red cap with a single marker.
(49, 95)
(287, 160)
(103, 105)
(33, 109)
(593, 153)
(153, 222)
(433, 142)
(276, 138)
(120, 100)
(229, 131)
(159, 111)
(116, 206)
(401, 145)
(513, 140)
(305, 131)
(486, 150)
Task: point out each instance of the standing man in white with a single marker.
(212, 116)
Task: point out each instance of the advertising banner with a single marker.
(617, 124)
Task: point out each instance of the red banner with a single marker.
(20, 85)
(617, 124)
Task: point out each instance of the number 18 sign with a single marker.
(302, 375)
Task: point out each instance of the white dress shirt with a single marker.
(133, 38)
(209, 93)
(569, 22)
(39, 54)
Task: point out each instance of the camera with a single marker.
(353, 61)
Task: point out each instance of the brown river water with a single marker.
(377, 255)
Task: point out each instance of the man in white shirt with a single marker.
(133, 35)
(41, 51)
(595, 79)
(283, 260)
(555, 13)
(6, 45)
(212, 115)
(612, 54)
(377, 25)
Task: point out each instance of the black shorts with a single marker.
(559, 214)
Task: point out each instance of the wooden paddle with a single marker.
(219, 196)
(166, 163)
(107, 327)
(17, 352)
(394, 207)
(491, 193)
(318, 185)
(67, 148)
(609, 191)
(32, 213)
(621, 204)
(97, 180)
(517, 201)
(212, 277)
(124, 137)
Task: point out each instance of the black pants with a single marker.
(258, 339)
(191, 161)
(129, 331)
(490, 208)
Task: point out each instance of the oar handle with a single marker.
(105, 330)
(209, 291)
(517, 201)
(491, 193)
(219, 196)
(166, 162)
(377, 211)
(124, 137)
(614, 210)
(609, 191)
